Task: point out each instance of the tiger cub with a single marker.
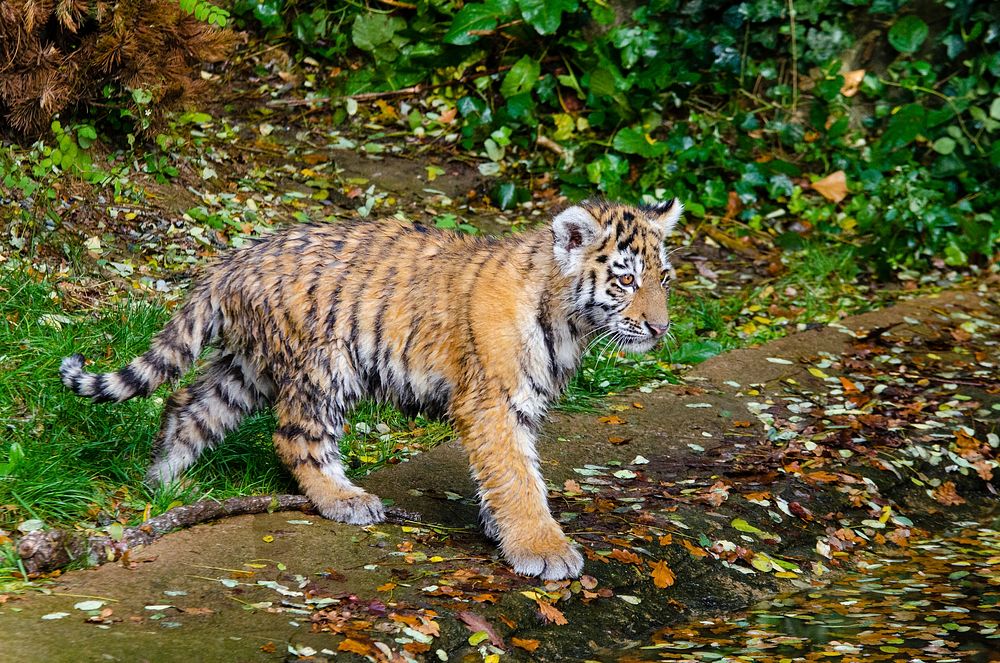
(483, 331)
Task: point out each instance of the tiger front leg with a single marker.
(515, 506)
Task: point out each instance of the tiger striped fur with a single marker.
(484, 331)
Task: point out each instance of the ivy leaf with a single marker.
(545, 15)
(472, 17)
(373, 30)
(903, 128)
(635, 141)
(521, 77)
(908, 33)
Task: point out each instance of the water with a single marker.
(937, 600)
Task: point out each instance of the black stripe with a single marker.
(546, 326)
(134, 383)
(100, 389)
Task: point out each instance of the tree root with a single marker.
(48, 550)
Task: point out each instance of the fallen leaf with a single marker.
(693, 549)
(663, 577)
(477, 623)
(572, 487)
(947, 495)
(355, 647)
(525, 644)
(852, 81)
(611, 420)
(666, 539)
(588, 582)
(551, 614)
(625, 556)
(617, 440)
(833, 187)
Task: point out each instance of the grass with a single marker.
(69, 462)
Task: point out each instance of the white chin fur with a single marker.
(639, 347)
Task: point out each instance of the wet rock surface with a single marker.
(768, 470)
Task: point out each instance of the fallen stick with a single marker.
(47, 550)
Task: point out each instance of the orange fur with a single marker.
(481, 330)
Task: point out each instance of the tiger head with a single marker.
(616, 261)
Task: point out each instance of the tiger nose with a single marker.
(657, 330)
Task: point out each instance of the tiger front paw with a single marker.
(552, 560)
(361, 509)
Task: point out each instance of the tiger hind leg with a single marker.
(310, 425)
(197, 417)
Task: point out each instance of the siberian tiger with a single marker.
(483, 331)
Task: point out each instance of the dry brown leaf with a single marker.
(613, 439)
(663, 577)
(355, 647)
(852, 80)
(588, 582)
(666, 539)
(693, 549)
(475, 622)
(572, 487)
(832, 187)
(551, 614)
(947, 495)
(625, 556)
(611, 420)
(525, 644)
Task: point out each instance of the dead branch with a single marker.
(48, 550)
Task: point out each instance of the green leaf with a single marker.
(903, 128)
(471, 17)
(995, 109)
(743, 526)
(955, 256)
(632, 140)
(545, 15)
(944, 145)
(908, 33)
(695, 352)
(371, 31)
(521, 77)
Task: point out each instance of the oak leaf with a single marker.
(525, 644)
(663, 577)
(625, 556)
(551, 614)
(947, 495)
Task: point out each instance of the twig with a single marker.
(397, 3)
(44, 551)
(795, 57)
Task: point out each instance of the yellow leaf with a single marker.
(525, 644)
(815, 372)
(663, 577)
(267, 538)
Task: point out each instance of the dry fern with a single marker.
(57, 56)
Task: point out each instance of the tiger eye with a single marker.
(626, 280)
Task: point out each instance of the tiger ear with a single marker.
(573, 230)
(666, 215)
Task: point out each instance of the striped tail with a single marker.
(171, 353)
